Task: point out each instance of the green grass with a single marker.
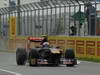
(90, 60)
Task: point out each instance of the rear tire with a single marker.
(21, 56)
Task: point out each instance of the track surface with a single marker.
(8, 67)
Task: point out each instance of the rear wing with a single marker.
(35, 39)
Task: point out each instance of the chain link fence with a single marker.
(52, 17)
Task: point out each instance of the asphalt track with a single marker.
(8, 67)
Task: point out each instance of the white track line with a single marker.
(10, 72)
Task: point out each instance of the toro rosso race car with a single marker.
(36, 54)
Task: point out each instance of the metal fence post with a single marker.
(18, 20)
(0, 24)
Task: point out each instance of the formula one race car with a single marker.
(36, 54)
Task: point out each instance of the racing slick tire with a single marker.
(70, 54)
(33, 56)
(21, 56)
(72, 65)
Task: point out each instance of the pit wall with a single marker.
(84, 47)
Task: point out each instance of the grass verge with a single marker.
(90, 60)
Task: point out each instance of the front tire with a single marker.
(70, 54)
